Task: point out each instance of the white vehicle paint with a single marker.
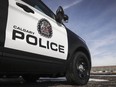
(29, 22)
(34, 43)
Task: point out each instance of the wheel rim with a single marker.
(83, 69)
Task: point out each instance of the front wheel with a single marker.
(79, 69)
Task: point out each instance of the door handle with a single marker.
(25, 8)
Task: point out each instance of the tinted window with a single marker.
(39, 5)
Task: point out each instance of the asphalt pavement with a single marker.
(95, 81)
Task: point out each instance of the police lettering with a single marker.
(22, 29)
(33, 40)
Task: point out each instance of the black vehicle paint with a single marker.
(3, 22)
(13, 62)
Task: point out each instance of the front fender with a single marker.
(75, 44)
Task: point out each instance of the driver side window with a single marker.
(41, 7)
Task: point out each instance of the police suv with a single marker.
(35, 43)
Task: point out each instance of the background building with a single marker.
(104, 70)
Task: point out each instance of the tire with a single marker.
(30, 78)
(78, 72)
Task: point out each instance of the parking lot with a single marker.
(95, 81)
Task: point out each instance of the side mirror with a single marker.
(60, 16)
(60, 10)
(66, 18)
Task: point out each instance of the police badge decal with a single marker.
(44, 28)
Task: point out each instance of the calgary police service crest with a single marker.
(45, 28)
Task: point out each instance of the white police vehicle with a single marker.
(34, 43)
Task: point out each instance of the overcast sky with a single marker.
(95, 22)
